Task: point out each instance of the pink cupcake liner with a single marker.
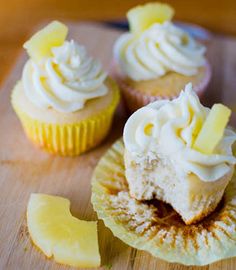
(135, 100)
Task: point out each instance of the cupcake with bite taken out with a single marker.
(180, 152)
(64, 100)
(156, 59)
(169, 186)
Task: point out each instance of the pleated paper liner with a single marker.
(154, 226)
(68, 139)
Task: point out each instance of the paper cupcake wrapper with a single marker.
(135, 99)
(68, 139)
(157, 228)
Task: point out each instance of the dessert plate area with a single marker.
(25, 169)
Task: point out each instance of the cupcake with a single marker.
(156, 59)
(64, 100)
(165, 160)
(161, 190)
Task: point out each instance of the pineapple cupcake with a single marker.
(161, 190)
(168, 157)
(156, 59)
(65, 101)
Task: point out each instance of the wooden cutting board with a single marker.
(25, 169)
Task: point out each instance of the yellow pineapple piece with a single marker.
(148, 129)
(40, 44)
(57, 233)
(142, 17)
(212, 130)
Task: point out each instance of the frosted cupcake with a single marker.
(64, 100)
(156, 59)
(161, 189)
(179, 152)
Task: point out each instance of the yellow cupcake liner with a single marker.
(68, 139)
(154, 226)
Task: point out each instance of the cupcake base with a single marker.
(192, 198)
(63, 136)
(154, 226)
(139, 94)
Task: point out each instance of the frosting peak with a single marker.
(64, 81)
(158, 50)
(169, 128)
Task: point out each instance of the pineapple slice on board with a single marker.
(40, 44)
(212, 130)
(57, 233)
(142, 17)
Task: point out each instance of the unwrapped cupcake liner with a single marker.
(68, 139)
(155, 227)
(134, 99)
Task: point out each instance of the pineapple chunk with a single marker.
(142, 17)
(57, 233)
(148, 129)
(212, 130)
(40, 44)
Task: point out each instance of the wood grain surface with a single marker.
(25, 169)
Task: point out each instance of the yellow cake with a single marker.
(64, 100)
(161, 160)
(154, 226)
(156, 58)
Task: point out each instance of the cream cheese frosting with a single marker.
(160, 49)
(64, 81)
(168, 129)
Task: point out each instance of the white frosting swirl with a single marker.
(172, 130)
(158, 50)
(64, 81)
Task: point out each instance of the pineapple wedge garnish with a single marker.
(40, 44)
(212, 130)
(142, 17)
(57, 233)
